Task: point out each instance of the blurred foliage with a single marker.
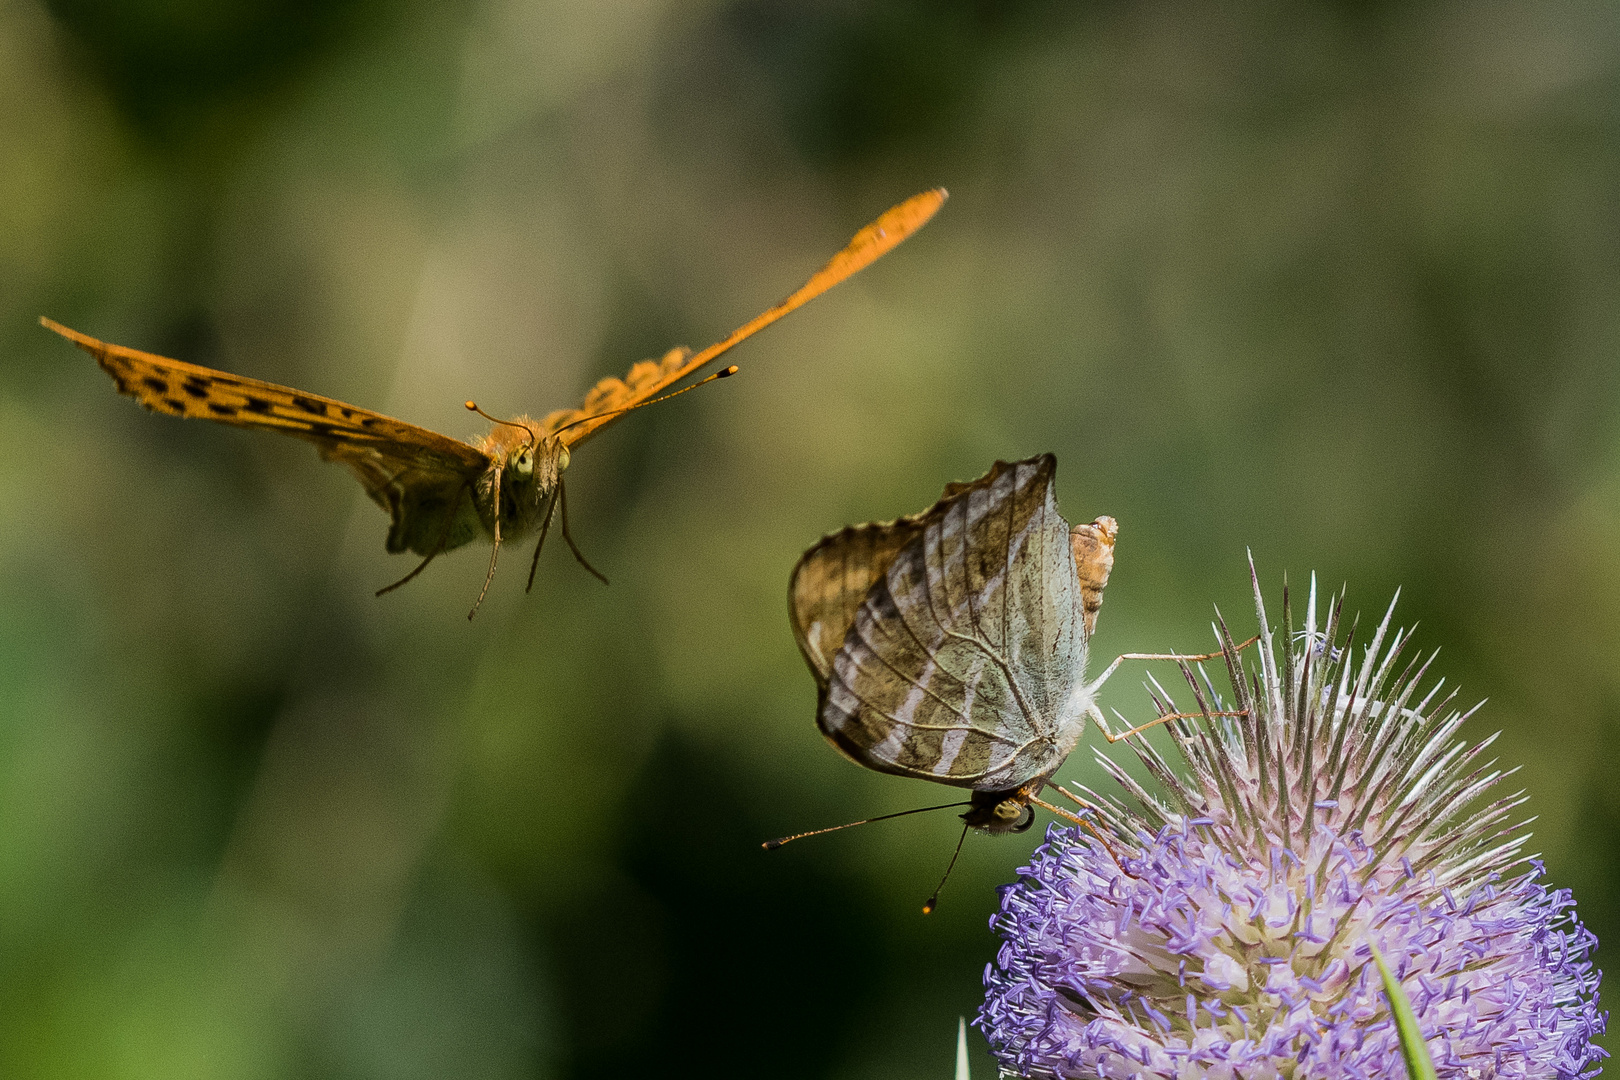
(1339, 283)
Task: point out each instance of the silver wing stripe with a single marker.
(853, 702)
(954, 739)
(868, 648)
(901, 730)
(949, 748)
(918, 693)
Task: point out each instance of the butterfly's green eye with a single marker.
(1017, 816)
(524, 463)
(562, 459)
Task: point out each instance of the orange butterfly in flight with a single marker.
(441, 492)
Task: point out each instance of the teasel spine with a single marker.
(1321, 732)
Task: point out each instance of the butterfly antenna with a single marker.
(933, 901)
(528, 433)
(727, 373)
(772, 845)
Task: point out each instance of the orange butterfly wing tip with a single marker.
(72, 335)
(878, 239)
(612, 397)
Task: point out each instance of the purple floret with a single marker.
(1224, 928)
(1187, 963)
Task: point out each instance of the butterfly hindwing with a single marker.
(831, 582)
(423, 479)
(965, 661)
(832, 579)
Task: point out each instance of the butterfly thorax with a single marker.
(524, 470)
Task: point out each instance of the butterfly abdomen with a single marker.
(1093, 547)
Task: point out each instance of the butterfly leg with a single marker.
(1122, 657)
(438, 549)
(1102, 724)
(563, 492)
(545, 526)
(495, 552)
(1076, 818)
(421, 566)
(1071, 796)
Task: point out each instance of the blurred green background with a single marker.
(1339, 283)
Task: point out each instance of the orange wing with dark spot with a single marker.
(411, 472)
(649, 378)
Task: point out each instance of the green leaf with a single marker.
(961, 1049)
(1419, 1065)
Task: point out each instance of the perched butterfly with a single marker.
(441, 492)
(951, 645)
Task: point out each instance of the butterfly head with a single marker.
(523, 453)
(540, 462)
(529, 465)
(530, 471)
(1001, 811)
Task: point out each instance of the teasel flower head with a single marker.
(1224, 927)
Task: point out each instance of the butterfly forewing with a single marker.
(648, 378)
(965, 661)
(417, 475)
